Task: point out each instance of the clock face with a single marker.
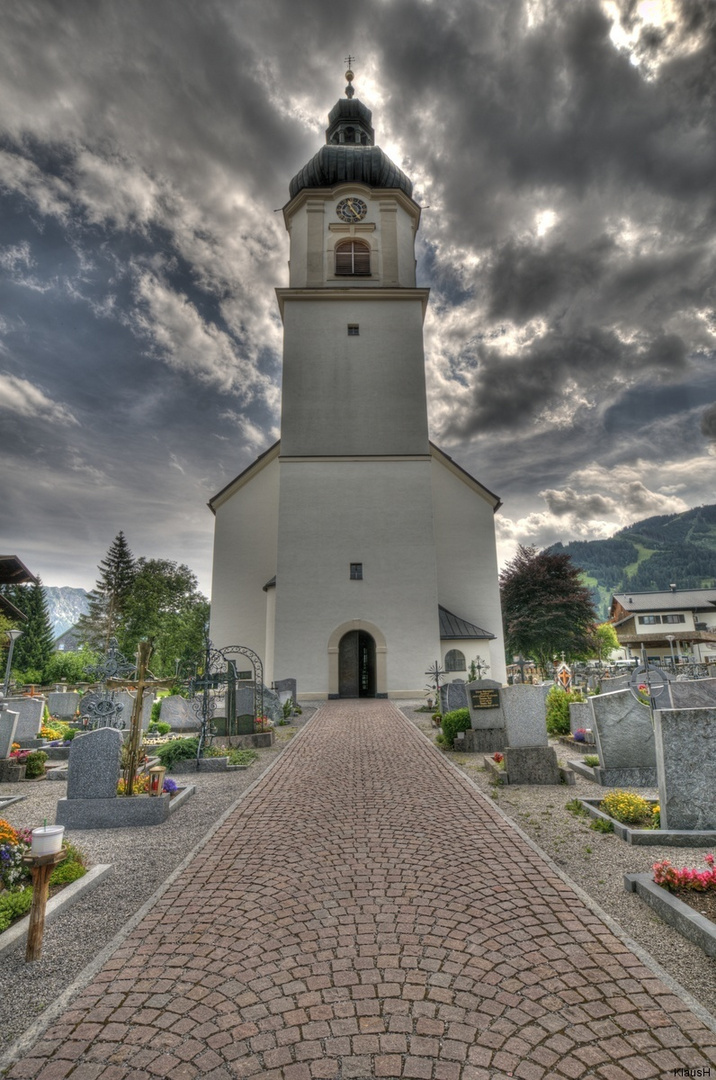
(351, 209)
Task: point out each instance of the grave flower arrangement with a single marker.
(262, 723)
(671, 878)
(14, 843)
(630, 809)
(499, 760)
(580, 735)
(15, 878)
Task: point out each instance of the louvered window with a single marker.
(352, 257)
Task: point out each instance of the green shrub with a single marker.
(35, 764)
(156, 713)
(591, 759)
(558, 702)
(70, 734)
(72, 868)
(13, 905)
(177, 750)
(163, 728)
(242, 757)
(452, 722)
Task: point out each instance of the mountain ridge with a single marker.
(649, 555)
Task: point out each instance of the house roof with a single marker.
(668, 600)
(13, 572)
(452, 626)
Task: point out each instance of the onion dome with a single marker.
(350, 153)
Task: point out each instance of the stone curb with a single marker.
(652, 837)
(675, 912)
(584, 770)
(65, 899)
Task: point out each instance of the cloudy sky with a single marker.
(565, 152)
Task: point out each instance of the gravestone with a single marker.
(29, 718)
(528, 758)
(625, 741)
(580, 716)
(93, 774)
(286, 688)
(692, 694)
(453, 695)
(95, 764)
(610, 684)
(487, 719)
(532, 765)
(8, 725)
(63, 706)
(686, 767)
(523, 708)
(177, 712)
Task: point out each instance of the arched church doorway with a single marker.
(356, 665)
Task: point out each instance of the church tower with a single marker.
(359, 543)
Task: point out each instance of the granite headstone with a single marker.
(453, 695)
(29, 717)
(580, 716)
(95, 764)
(177, 712)
(286, 688)
(692, 694)
(625, 741)
(63, 706)
(8, 725)
(487, 718)
(686, 767)
(523, 708)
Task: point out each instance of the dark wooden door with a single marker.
(356, 665)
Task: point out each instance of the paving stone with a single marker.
(333, 927)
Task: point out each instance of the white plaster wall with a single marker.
(333, 513)
(468, 583)
(353, 395)
(471, 650)
(245, 548)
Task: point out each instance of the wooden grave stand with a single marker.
(41, 867)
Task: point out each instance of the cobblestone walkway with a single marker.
(365, 913)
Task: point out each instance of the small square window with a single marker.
(356, 571)
(353, 330)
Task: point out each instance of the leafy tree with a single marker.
(604, 641)
(545, 607)
(71, 666)
(107, 601)
(34, 647)
(164, 606)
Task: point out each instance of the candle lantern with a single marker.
(156, 779)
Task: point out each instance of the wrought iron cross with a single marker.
(480, 667)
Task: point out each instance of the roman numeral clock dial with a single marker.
(351, 210)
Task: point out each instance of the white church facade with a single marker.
(354, 553)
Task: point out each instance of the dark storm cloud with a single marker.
(145, 147)
(708, 423)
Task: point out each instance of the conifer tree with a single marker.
(34, 648)
(108, 599)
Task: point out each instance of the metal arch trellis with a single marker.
(216, 673)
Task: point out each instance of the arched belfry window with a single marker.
(455, 660)
(352, 257)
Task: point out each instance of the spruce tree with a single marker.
(108, 599)
(33, 649)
